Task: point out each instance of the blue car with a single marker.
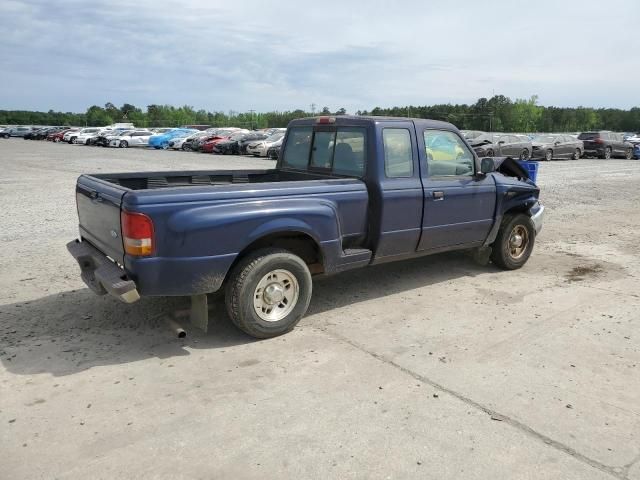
(162, 140)
(636, 151)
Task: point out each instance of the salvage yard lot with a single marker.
(431, 368)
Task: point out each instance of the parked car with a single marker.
(229, 146)
(274, 152)
(250, 138)
(636, 151)
(71, 135)
(633, 138)
(161, 140)
(502, 145)
(40, 133)
(193, 142)
(87, 136)
(199, 143)
(548, 147)
(605, 144)
(260, 148)
(133, 138)
(16, 132)
(58, 136)
(104, 137)
(347, 192)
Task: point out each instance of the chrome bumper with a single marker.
(537, 216)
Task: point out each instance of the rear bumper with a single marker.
(102, 275)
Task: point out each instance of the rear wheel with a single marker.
(514, 243)
(489, 153)
(628, 154)
(577, 154)
(524, 155)
(268, 292)
(607, 153)
(124, 144)
(548, 155)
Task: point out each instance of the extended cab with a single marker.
(347, 192)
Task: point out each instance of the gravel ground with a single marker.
(430, 368)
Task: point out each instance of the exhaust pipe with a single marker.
(175, 327)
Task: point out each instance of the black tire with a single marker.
(607, 153)
(548, 155)
(123, 144)
(502, 254)
(524, 155)
(489, 153)
(629, 154)
(72, 140)
(577, 154)
(242, 284)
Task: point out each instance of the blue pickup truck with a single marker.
(347, 192)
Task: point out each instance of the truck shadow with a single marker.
(74, 331)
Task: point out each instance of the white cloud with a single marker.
(286, 55)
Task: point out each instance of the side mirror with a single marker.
(487, 165)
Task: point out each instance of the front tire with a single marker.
(524, 155)
(124, 144)
(548, 155)
(577, 154)
(514, 243)
(489, 153)
(268, 292)
(628, 154)
(607, 153)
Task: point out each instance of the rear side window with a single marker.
(341, 150)
(398, 158)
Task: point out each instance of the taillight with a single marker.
(598, 140)
(325, 120)
(137, 234)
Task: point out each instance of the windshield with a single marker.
(275, 137)
(588, 136)
(485, 137)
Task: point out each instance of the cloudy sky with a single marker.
(221, 55)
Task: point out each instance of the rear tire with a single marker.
(548, 155)
(629, 154)
(124, 144)
(577, 154)
(524, 155)
(489, 153)
(607, 153)
(514, 243)
(247, 297)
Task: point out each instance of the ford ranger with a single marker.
(347, 192)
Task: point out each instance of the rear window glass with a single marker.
(296, 152)
(588, 136)
(398, 158)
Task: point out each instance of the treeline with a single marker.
(498, 113)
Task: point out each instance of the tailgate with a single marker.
(99, 215)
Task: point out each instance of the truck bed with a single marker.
(156, 180)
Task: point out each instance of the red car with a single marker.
(57, 136)
(207, 147)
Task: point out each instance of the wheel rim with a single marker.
(549, 155)
(490, 153)
(276, 295)
(576, 155)
(629, 154)
(524, 155)
(518, 242)
(123, 144)
(607, 153)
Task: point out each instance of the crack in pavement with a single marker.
(620, 473)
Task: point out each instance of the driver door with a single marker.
(458, 204)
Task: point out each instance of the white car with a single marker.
(260, 148)
(633, 138)
(134, 138)
(87, 135)
(71, 135)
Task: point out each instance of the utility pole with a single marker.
(313, 109)
(252, 112)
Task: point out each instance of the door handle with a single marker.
(438, 196)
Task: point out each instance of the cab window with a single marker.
(398, 158)
(447, 155)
